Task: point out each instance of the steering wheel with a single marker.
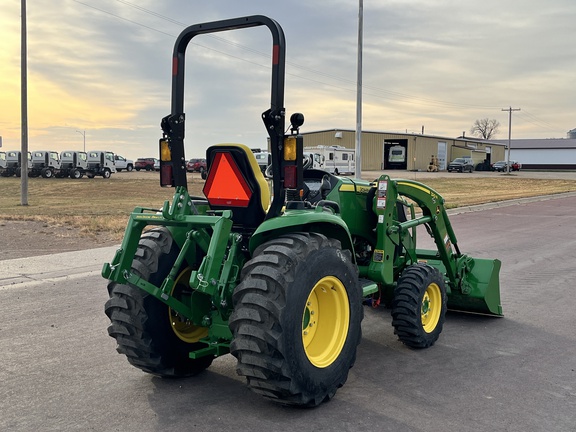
(307, 163)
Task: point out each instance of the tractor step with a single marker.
(368, 287)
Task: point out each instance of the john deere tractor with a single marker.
(278, 276)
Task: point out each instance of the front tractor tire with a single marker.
(419, 306)
(297, 319)
(147, 331)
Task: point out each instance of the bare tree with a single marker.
(485, 128)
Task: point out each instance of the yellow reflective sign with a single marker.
(290, 149)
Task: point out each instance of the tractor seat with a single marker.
(235, 182)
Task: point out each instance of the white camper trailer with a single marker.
(397, 154)
(334, 159)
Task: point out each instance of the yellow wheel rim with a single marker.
(431, 307)
(325, 321)
(184, 329)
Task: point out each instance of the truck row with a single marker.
(69, 163)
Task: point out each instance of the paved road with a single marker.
(59, 370)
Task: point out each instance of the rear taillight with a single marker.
(291, 177)
(166, 176)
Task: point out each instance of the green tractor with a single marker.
(278, 276)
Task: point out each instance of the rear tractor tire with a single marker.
(419, 306)
(296, 320)
(147, 331)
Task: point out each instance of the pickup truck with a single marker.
(121, 163)
(501, 166)
(461, 165)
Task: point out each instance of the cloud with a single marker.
(105, 67)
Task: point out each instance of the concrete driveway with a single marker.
(59, 370)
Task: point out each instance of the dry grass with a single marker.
(459, 192)
(92, 206)
(102, 206)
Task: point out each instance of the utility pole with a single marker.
(509, 109)
(359, 92)
(24, 107)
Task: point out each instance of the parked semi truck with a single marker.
(45, 163)
(12, 164)
(100, 163)
(73, 164)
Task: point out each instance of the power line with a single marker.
(530, 118)
(391, 95)
(376, 92)
(167, 34)
(124, 19)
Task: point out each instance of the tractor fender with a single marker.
(322, 222)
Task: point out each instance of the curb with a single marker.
(57, 266)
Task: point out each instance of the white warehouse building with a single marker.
(545, 154)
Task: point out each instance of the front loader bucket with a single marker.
(480, 288)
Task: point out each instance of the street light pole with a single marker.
(83, 133)
(358, 143)
(24, 108)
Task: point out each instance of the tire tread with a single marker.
(260, 300)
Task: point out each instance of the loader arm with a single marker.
(473, 283)
(434, 215)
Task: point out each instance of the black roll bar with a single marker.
(274, 117)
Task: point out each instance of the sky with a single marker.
(101, 69)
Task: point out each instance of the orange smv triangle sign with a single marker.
(225, 185)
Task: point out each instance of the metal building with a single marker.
(377, 148)
(543, 154)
